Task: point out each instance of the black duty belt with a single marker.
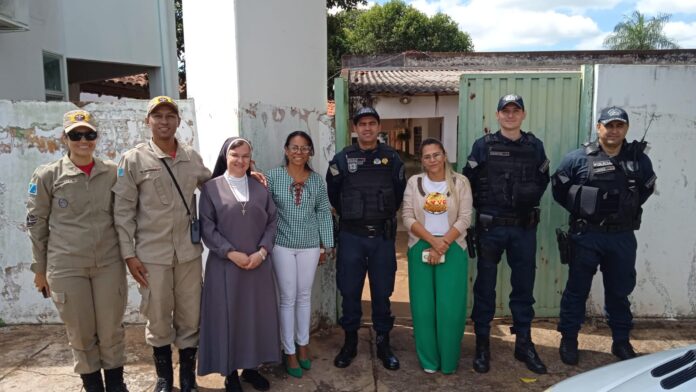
(486, 220)
(583, 226)
(369, 231)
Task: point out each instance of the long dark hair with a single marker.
(309, 141)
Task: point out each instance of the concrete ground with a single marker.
(37, 358)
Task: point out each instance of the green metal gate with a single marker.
(553, 103)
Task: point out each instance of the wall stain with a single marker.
(11, 289)
(251, 110)
(661, 289)
(28, 138)
(278, 114)
(691, 283)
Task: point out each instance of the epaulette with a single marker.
(591, 148)
(490, 138)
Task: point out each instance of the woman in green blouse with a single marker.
(305, 234)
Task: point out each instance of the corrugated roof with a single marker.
(402, 81)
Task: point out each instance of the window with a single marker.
(53, 76)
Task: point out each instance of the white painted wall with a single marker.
(268, 79)
(138, 32)
(446, 107)
(30, 136)
(258, 69)
(666, 261)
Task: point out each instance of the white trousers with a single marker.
(294, 270)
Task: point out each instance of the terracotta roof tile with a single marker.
(403, 81)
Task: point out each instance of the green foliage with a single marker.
(2, 323)
(640, 33)
(396, 27)
(344, 4)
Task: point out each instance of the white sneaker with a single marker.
(430, 371)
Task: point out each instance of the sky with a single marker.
(519, 25)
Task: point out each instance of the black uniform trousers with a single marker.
(358, 256)
(615, 254)
(519, 243)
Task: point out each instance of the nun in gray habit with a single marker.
(239, 313)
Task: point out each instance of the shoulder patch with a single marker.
(33, 189)
(120, 172)
(544, 166)
(334, 170)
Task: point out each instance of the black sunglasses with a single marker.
(77, 136)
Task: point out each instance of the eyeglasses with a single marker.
(432, 157)
(77, 136)
(296, 149)
(297, 187)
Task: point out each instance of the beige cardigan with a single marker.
(458, 216)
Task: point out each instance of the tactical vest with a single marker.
(610, 195)
(510, 178)
(367, 193)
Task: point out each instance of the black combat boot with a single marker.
(187, 370)
(348, 351)
(569, 351)
(525, 352)
(163, 366)
(384, 352)
(623, 349)
(92, 382)
(482, 358)
(232, 383)
(113, 378)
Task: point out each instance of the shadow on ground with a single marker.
(37, 357)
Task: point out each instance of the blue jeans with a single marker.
(519, 243)
(358, 256)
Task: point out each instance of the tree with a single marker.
(396, 27)
(344, 4)
(639, 33)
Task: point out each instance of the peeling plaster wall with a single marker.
(30, 136)
(666, 257)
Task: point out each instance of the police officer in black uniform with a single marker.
(366, 185)
(508, 171)
(603, 185)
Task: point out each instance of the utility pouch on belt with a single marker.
(565, 246)
(390, 229)
(471, 242)
(533, 218)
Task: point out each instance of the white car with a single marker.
(672, 370)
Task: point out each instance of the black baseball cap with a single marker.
(510, 98)
(612, 113)
(364, 112)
